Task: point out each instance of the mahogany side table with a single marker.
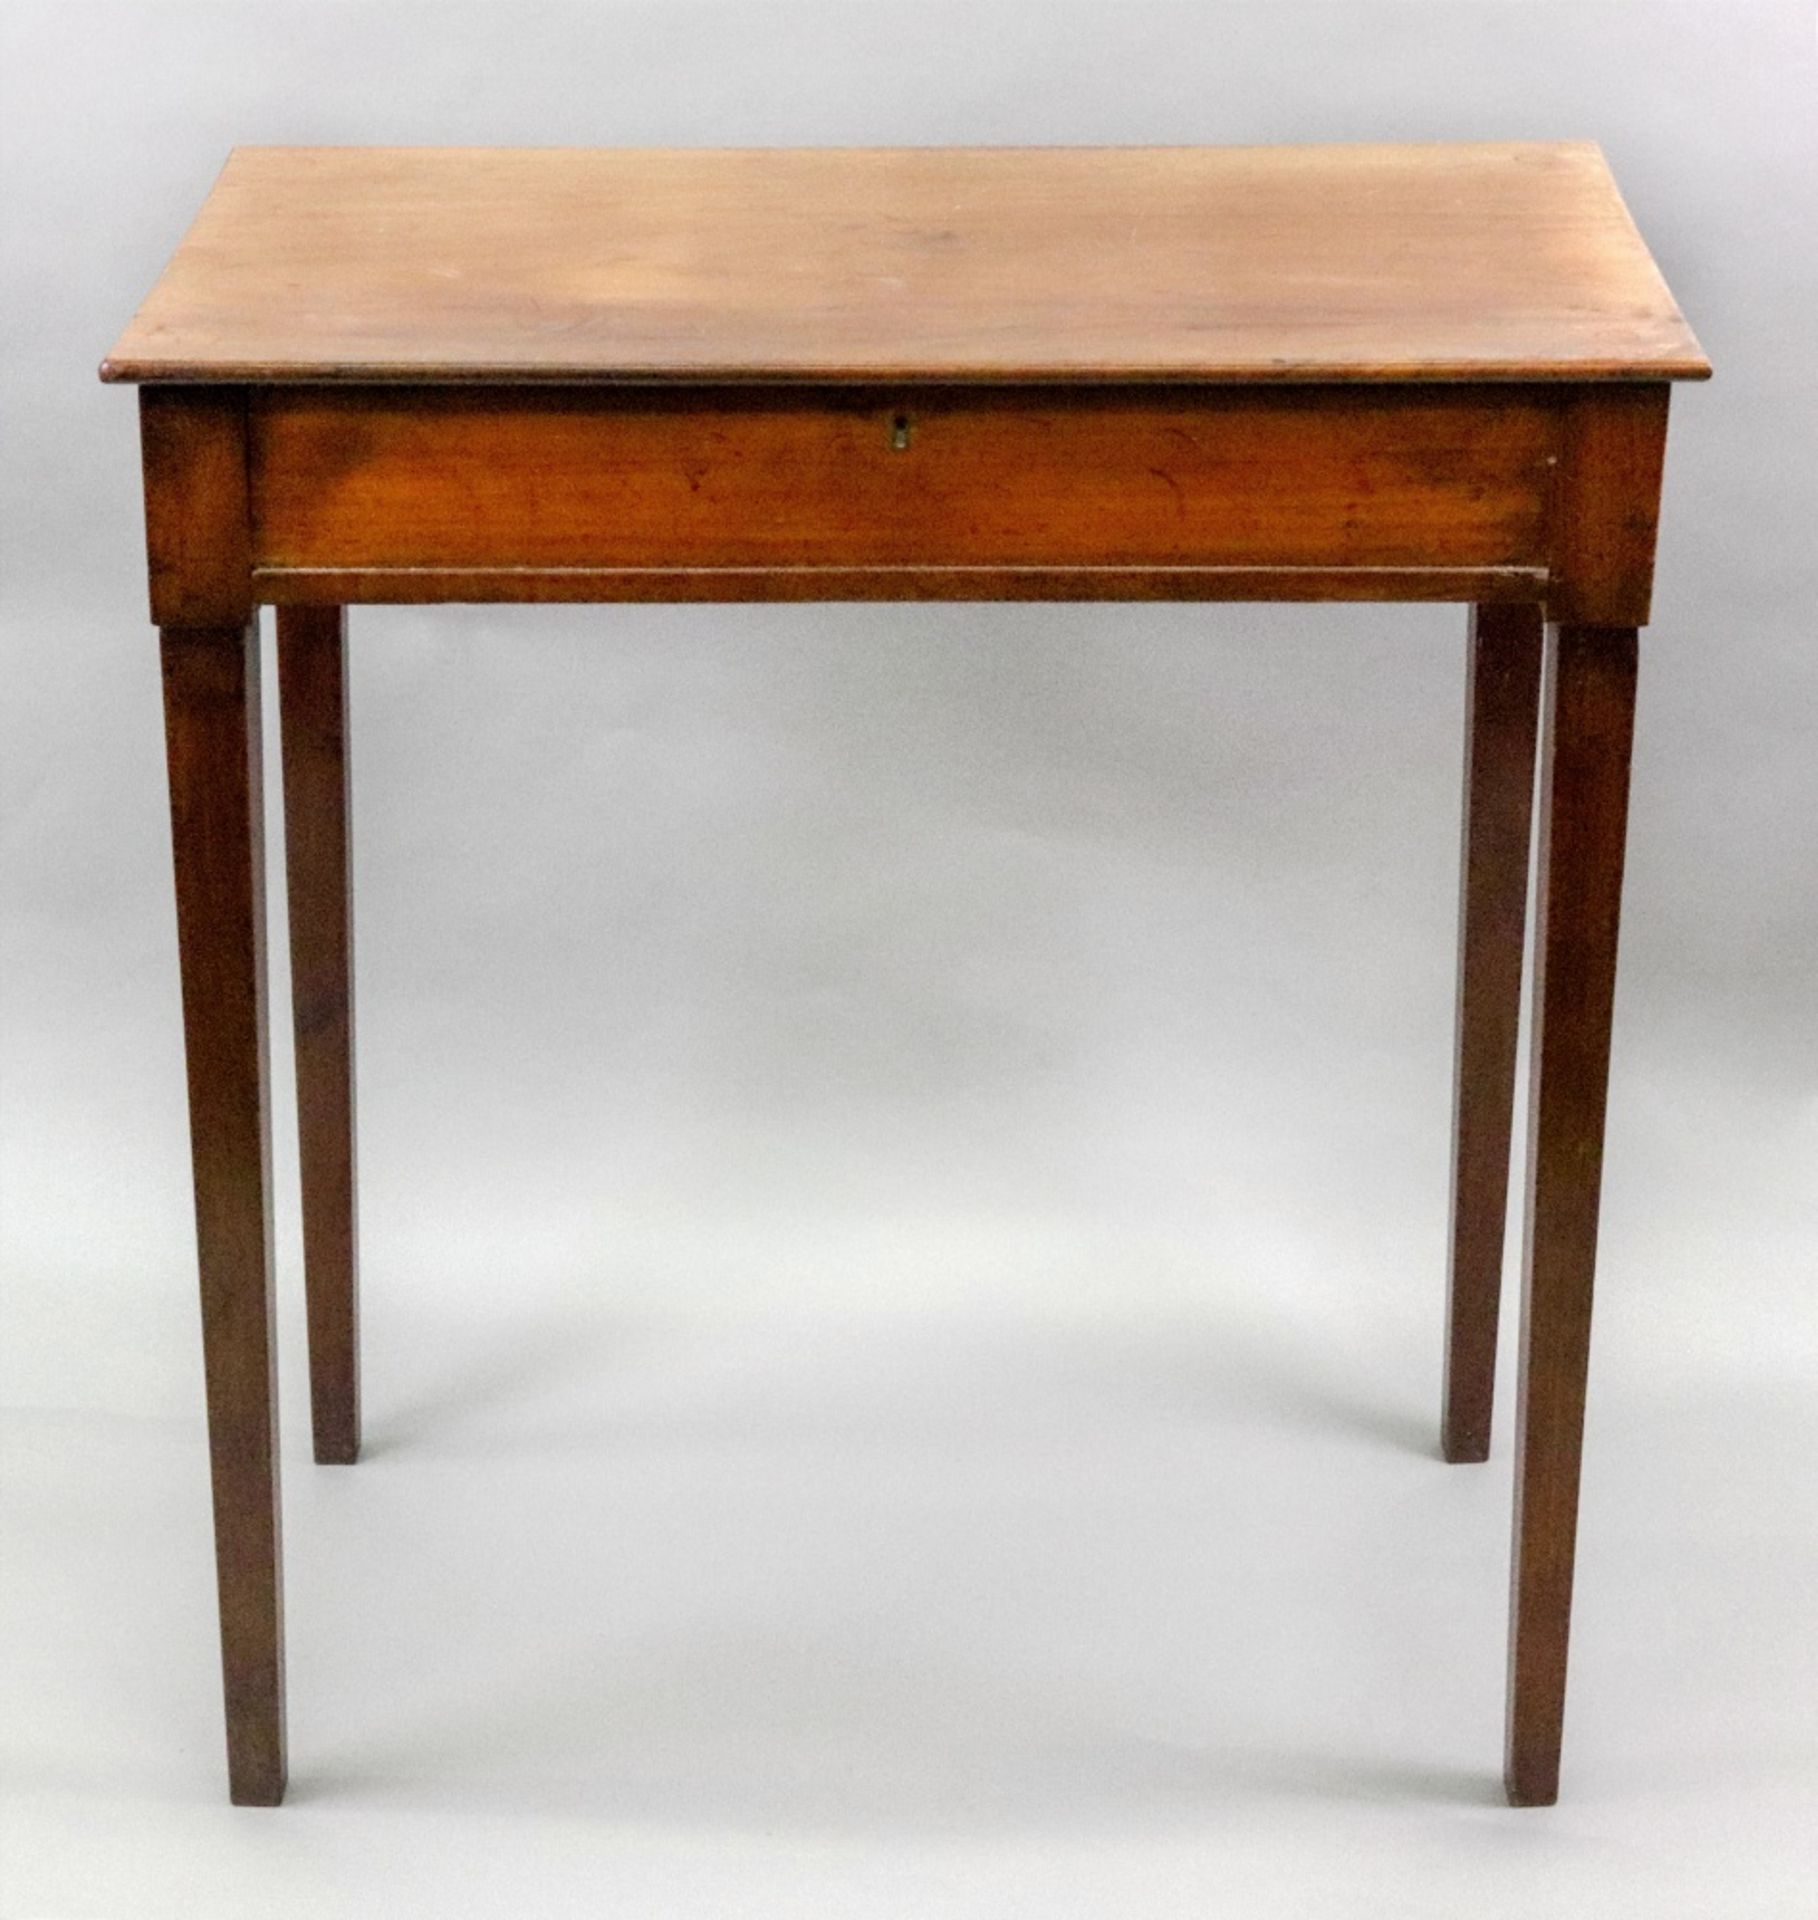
(1302, 373)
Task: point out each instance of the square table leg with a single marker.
(312, 700)
(212, 720)
(1589, 722)
(1502, 709)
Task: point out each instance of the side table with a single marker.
(1422, 373)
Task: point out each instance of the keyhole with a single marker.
(899, 433)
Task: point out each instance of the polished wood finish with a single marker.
(1197, 264)
(1421, 373)
(1584, 788)
(844, 478)
(312, 703)
(198, 528)
(1502, 707)
(1608, 506)
(211, 717)
(326, 497)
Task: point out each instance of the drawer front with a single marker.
(755, 479)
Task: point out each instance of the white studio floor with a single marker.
(1132, 1587)
(953, 1619)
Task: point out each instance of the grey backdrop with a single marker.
(904, 1149)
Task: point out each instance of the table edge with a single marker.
(139, 371)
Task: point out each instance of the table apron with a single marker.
(1417, 492)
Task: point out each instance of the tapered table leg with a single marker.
(211, 709)
(1502, 707)
(1590, 707)
(312, 695)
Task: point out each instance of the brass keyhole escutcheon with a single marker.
(900, 428)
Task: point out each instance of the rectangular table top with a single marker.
(1195, 264)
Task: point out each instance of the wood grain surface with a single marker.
(1232, 264)
(192, 456)
(803, 477)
